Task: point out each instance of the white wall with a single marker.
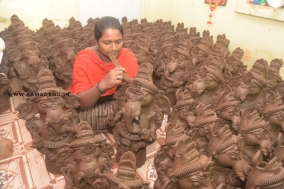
(132, 9)
(259, 37)
(32, 12)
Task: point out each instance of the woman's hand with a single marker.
(113, 78)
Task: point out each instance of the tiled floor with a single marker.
(26, 169)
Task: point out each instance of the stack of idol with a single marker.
(71, 148)
(225, 127)
(27, 51)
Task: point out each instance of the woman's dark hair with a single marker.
(106, 22)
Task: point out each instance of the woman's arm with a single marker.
(90, 97)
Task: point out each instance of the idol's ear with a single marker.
(164, 103)
(27, 110)
(72, 101)
(14, 55)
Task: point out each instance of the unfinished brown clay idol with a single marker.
(183, 113)
(71, 149)
(27, 63)
(273, 77)
(84, 160)
(201, 50)
(48, 40)
(205, 117)
(54, 127)
(255, 131)
(207, 83)
(265, 174)
(253, 84)
(176, 71)
(165, 156)
(234, 65)
(273, 112)
(62, 57)
(164, 57)
(226, 152)
(143, 54)
(125, 176)
(142, 114)
(227, 108)
(190, 170)
(222, 117)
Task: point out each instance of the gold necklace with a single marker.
(212, 8)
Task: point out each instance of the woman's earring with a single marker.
(97, 48)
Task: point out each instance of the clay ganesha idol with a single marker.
(84, 160)
(53, 127)
(28, 63)
(141, 115)
(70, 148)
(125, 176)
(190, 169)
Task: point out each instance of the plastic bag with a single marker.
(275, 3)
(259, 2)
(2, 47)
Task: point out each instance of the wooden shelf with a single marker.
(268, 12)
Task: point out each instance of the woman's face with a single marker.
(111, 42)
